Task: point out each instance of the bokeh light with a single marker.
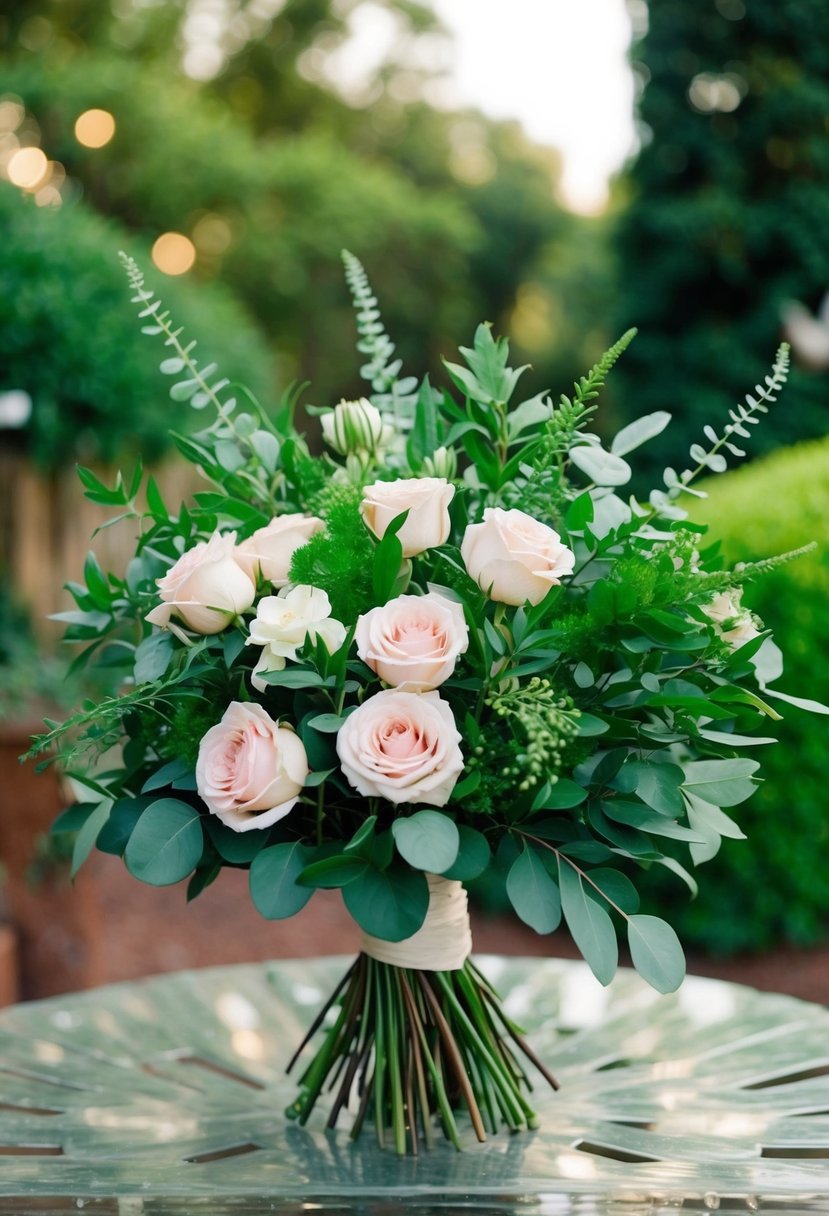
(94, 128)
(28, 168)
(173, 253)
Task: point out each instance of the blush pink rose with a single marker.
(206, 587)
(426, 499)
(515, 558)
(250, 771)
(413, 642)
(270, 549)
(402, 746)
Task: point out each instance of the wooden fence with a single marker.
(46, 528)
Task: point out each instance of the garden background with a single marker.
(220, 143)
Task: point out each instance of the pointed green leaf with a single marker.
(591, 927)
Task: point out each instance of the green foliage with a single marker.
(771, 887)
(66, 339)
(340, 559)
(727, 200)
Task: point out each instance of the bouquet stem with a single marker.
(406, 1044)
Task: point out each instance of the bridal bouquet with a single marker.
(446, 646)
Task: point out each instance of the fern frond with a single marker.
(712, 459)
(390, 394)
(745, 571)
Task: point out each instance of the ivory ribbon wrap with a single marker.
(444, 940)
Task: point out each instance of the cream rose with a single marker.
(282, 624)
(426, 499)
(401, 746)
(250, 770)
(206, 587)
(413, 642)
(354, 427)
(270, 549)
(513, 557)
(734, 623)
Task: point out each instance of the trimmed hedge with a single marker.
(70, 338)
(774, 886)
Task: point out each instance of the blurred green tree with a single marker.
(238, 126)
(728, 212)
(68, 338)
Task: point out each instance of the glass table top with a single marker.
(167, 1096)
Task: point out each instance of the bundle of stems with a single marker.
(405, 1045)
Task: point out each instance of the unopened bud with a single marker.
(442, 463)
(354, 427)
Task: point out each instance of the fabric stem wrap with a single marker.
(444, 940)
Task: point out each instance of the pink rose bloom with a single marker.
(413, 642)
(270, 549)
(250, 771)
(513, 557)
(426, 499)
(206, 587)
(401, 746)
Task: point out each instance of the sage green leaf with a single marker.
(704, 817)
(617, 887)
(238, 848)
(722, 782)
(389, 904)
(604, 468)
(166, 843)
(114, 835)
(639, 432)
(656, 952)
(533, 893)
(153, 657)
(362, 836)
(561, 796)
(658, 785)
(88, 834)
(427, 840)
(473, 857)
(591, 927)
(326, 724)
(273, 875)
(337, 871)
(589, 724)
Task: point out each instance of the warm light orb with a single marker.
(173, 253)
(94, 128)
(27, 168)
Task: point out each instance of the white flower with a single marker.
(733, 623)
(269, 550)
(413, 641)
(206, 587)
(426, 499)
(355, 427)
(283, 622)
(513, 557)
(250, 769)
(402, 746)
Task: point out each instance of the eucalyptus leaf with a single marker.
(389, 904)
(273, 885)
(474, 855)
(166, 843)
(427, 840)
(656, 952)
(533, 893)
(602, 467)
(591, 927)
(722, 782)
(639, 432)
